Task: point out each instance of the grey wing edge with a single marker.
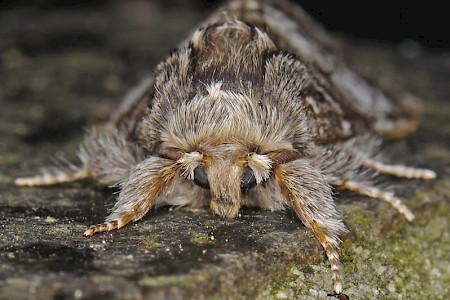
(390, 112)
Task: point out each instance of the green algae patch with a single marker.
(151, 243)
(50, 220)
(411, 263)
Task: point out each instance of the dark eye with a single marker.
(200, 177)
(248, 179)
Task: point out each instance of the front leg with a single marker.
(311, 199)
(146, 182)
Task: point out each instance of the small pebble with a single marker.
(281, 295)
(77, 294)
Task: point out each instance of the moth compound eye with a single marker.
(200, 177)
(248, 179)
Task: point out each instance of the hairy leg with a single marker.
(98, 145)
(381, 195)
(399, 170)
(50, 177)
(106, 156)
(311, 198)
(146, 182)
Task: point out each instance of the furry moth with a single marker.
(255, 108)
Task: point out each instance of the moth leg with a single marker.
(53, 177)
(117, 223)
(311, 199)
(134, 101)
(146, 182)
(399, 170)
(99, 145)
(331, 250)
(374, 192)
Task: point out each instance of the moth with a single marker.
(257, 107)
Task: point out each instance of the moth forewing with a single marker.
(344, 91)
(255, 108)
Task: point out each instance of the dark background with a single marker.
(390, 21)
(64, 65)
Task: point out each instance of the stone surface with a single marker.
(62, 69)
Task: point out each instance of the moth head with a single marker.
(228, 171)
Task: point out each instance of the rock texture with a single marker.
(62, 69)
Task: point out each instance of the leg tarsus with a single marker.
(399, 170)
(332, 254)
(109, 225)
(311, 199)
(147, 181)
(374, 192)
(50, 178)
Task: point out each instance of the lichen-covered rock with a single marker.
(64, 69)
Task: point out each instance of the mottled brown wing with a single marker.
(354, 97)
(132, 108)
